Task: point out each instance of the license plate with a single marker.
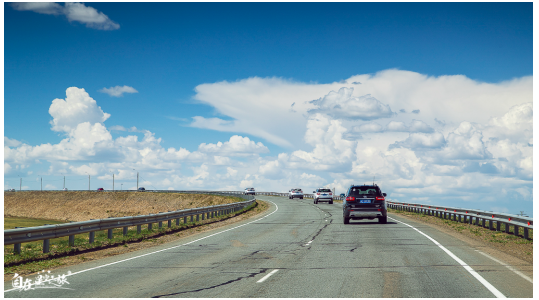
(364, 201)
(324, 194)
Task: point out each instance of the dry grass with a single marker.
(82, 206)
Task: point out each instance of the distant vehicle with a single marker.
(295, 193)
(11, 190)
(249, 191)
(65, 189)
(100, 189)
(365, 202)
(141, 189)
(323, 194)
(342, 196)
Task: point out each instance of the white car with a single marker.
(323, 194)
(295, 193)
(249, 191)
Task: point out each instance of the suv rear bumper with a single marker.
(365, 214)
(324, 199)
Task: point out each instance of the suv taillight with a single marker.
(380, 198)
(350, 199)
(330, 194)
(318, 193)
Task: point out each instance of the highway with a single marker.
(300, 250)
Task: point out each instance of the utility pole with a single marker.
(137, 181)
(64, 182)
(88, 182)
(42, 184)
(20, 185)
(113, 182)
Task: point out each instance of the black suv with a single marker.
(364, 202)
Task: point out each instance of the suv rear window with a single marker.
(324, 190)
(364, 190)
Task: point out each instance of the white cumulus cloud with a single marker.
(118, 91)
(73, 11)
(342, 104)
(78, 107)
(236, 145)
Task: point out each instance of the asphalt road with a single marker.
(300, 250)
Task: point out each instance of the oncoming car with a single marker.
(249, 191)
(295, 193)
(323, 194)
(365, 202)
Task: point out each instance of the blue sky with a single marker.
(434, 99)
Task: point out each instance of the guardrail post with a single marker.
(490, 225)
(169, 223)
(139, 229)
(91, 237)
(125, 230)
(46, 243)
(498, 225)
(109, 234)
(185, 220)
(191, 218)
(203, 215)
(470, 220)
(17, 248)
(526, 236)
(460, 218)
(150, 226)
(476, 221)
(483, 222)
(160, 224)
(177, 221)
(515, 230)
(71, 240)
(197, 217)
(506, 227)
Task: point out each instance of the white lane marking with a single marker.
(267, 276)
(489, 286)
(308, 243)
(508, 266)
(116, 262)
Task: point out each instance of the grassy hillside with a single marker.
(85, 205)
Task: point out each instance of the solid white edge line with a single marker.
(508, 266)
(116, 262)
(489, 286)
(267, 276)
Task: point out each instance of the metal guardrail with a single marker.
(47, 232)
(470, 216)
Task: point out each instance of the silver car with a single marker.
(249, 191)
(295, 193)
(323, 194)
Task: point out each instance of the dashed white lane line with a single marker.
(489, 286)
(508, 266)
(308, 243)
(267, 276)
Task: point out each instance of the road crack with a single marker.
(215, 286)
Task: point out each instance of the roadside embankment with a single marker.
(86, 205)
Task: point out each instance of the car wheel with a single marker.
(301, 198)
(346, 220)
(330, 202)
(382, 220)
